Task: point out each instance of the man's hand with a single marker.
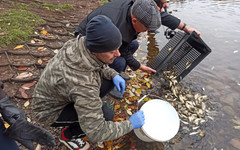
(164, 4)
(137, 119)
(188, 28)
(119, 82)
(2, 93)
(147, 69)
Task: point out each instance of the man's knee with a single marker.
(133, 46)
(119, 64)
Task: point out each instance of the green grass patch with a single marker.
(35, 5)
(57, 7)
(17, 25)
(19, 5)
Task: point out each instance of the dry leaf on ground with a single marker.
(24, 75)
(18, 47)
(44, 32)
(26, 104)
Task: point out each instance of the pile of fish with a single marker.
(193, 108)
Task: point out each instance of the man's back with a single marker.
(119, 12)
(70, 69)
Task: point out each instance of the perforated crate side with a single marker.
(181, 54)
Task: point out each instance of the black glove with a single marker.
(25, 133)
(20, 129)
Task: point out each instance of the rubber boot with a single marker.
(115, 93)
(124, 76)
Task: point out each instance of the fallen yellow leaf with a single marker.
(100, 144)
(26, 104)
(19, 46)
(148, 85)
(139, 91)
(28, 119)
(38, 147)
(44, 32)
(40, 42)
(128, 102)
(116, 107)
(109, 143)
(119, 146)
(50, 36)
(118, 119)
(39, 61)
(15, 60)
(41, 48)
(146, 99)
(6, 125)
(138, 71)
(129, 112)
(201, 133)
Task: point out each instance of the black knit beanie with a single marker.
(102, 35)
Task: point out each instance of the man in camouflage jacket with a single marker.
(68, 91)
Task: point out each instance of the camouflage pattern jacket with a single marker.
(74, 75)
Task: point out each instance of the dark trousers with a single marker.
(69, 118)
(119, 64)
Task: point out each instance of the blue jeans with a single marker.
(5, 142)
(119, 64)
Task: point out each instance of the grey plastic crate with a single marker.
(181, 54)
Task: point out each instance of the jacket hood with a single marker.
(78, 57)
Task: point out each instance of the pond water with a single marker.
(218, 74)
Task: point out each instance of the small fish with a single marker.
(193, 133)
(188, 64)
(236, 121)
(210, 117)
(237, 127)
(194, 128)
(184, 122)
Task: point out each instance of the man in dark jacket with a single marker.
(131, 17)
(125, 14)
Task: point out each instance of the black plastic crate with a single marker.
(181, 54)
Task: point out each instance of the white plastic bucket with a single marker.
(161, 122)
